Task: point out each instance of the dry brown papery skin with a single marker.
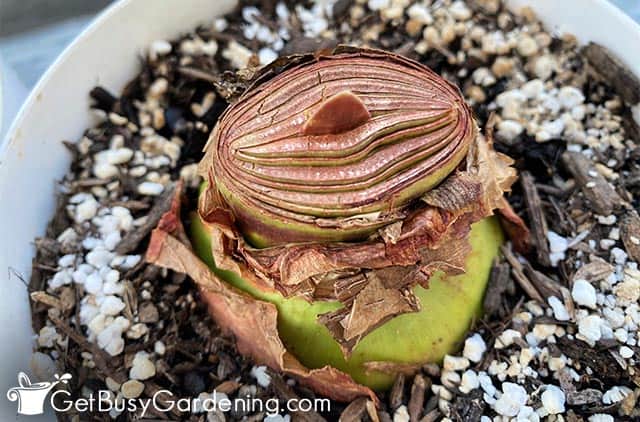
(374, 277)
(253, 323)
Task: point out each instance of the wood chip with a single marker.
(498, 285)
(544, 284)
(586, 396)
(629, 407)
(46, 299)
(616, 73)
(384, 416)
(518, 273)
(630, 234)
(431, 416)
(602, 197)
(416, 401)
(396, 395)
(537, 219)
(469, 407)
(228, 387)
(600, 361)
(373, 412)
(596, 270)
(148, 313)
(431, 369)
(355, 411)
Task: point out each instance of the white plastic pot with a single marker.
(32, 157)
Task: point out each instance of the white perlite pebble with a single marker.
(111, 341)
(47, 336)
(93, 283)
(450, 379)
(210, 48)
(601, 417)
(474, 348)
(554, 127)
(261, 376)
(513, 398)
(268, 418)
(615, 394)
(441, 392)
(111, 305)
(559, 310)
(68, 236)
(487, 384)
(99, 257)
(509, 129)
(455, 363)
(584, 293)
(401, 415)
(608, 220)
(378, 4)
(527, 413)
(159, 48)
(118, 156)
(469, 381)
(105, 170)
(507, 338)
(589, 328)
(132, 389)
(570, 97)
(606, 244)
(619, 256)
(420, 13)
(237, 54)
(137, 330)
(557, 246)
(626, 352)
(544, 67)
(533, 89)
(142, 368)
(266, 56)
(112, 240)
(150, 188)
(60, 279)
(86, 210)
(157, 89)
(159, 348)
(553, 400)
(221, 24)
(556, 364)
(460, 11)
(527, 46)
(615, 317)
(621, 335)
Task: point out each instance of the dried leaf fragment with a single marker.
(252, 322)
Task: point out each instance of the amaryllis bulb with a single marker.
(340, 196)
(336, 149)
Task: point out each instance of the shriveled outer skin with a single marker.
(286, 180)
(449, 306)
